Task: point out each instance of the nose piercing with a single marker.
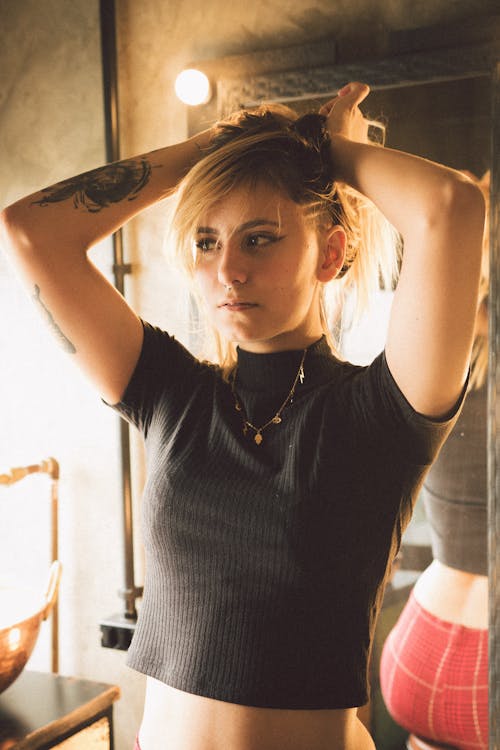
(228, 287)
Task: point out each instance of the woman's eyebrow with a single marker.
(206, 230)
(257, 223)
(247, 225)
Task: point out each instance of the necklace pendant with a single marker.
(257, 437)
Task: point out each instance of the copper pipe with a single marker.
(48, 466)
(54, 553)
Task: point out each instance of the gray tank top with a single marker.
(454, 491)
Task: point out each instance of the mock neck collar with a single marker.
(274, 372)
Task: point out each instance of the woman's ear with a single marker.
(331, 253)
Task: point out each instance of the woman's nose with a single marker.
(232, 267)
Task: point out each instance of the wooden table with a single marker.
(42, 710)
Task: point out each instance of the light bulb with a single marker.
(192, 87)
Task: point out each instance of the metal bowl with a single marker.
(21, 614)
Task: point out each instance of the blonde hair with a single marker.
(273, 145)
(479, 358)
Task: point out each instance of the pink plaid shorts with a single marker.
(434, 678)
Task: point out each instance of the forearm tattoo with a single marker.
(100, 187)
(63, 340)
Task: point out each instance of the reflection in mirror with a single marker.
(445, 547)
(426, 650)
(439, 644)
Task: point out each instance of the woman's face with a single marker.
(259, 267)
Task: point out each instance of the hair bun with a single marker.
(314, 157)
(312, 129)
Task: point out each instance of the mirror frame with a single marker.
(311, 70)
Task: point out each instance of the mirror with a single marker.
(443, 104)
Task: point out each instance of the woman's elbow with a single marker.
(11, 228)
(455, 212)
(463, 201)
(25, 233)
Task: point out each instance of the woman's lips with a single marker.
(237, 305)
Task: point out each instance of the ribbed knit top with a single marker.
(454, 492)
(265, 564)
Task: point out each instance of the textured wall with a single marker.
(50, 127)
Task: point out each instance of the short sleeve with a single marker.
(392, 419)
(164, 367)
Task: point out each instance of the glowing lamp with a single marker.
(192, 87)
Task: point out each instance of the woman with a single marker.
(280, 479)
(434, 667)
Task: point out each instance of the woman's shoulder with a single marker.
(375, 406)
(165, 371)
(164, 349)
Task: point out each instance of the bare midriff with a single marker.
(175, 720)
(453, 595)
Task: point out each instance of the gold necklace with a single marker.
(277, 417)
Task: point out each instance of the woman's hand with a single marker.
(343, 116)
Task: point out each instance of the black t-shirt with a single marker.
(265, 564)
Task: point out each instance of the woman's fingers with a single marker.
(343, 115)
(352, 93)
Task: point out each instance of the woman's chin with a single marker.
(242, 336)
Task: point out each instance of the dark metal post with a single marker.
(494, 423)
(120, 269)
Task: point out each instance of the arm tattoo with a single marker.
(100, 187)
(65, 342)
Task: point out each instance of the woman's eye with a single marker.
(256, 240)
(205, 244)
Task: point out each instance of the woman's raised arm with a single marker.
(440, 215)
(47, 236)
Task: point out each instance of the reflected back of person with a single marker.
(434, 667)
